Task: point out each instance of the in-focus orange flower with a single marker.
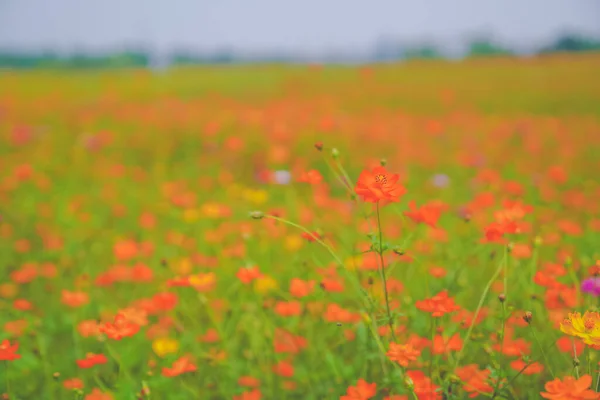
(438, 305)
(362, 391)
(180, 366)
(379, 185)
(570, 389)
(403, 354)
(8, 352)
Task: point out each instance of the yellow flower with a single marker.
(182, 267)
(257, 197)
(203, 281)
(211, 210)
(293, 243)
(586, 327)
(265, 284)
(165, 346)
(191, 215)
(352, 262)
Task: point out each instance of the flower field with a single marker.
(427, 230)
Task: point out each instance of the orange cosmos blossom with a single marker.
(403, 354)
(438, 305)
(120, 328)
(362, 391)
(181, 366)
(378, 184)
(8, 352)
(570, 389)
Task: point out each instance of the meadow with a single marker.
(424, 230)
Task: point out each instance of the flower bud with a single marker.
(319, 146)
(383, 162)
(257, 215)
(335, 153)
(502, 297)
(528, 317)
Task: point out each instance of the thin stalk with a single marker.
(501, 356)
(575, 359)
(382, 273)
(7, 380)
(478, 310)
(542, 349)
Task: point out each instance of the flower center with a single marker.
(381, 179)
(589, 324)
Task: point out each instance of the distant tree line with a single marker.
(141, 58)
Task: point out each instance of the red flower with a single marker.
(362, 391)
(92, 359)
(181, 366)
(378, 184)
(8, 352)
(438, 305)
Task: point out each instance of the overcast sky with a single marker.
(291, 25)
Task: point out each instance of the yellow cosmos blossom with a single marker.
(164, 346)
(293, 243)
(256, 197)
(265, 284)
(586, 327)
(203, 282)
(191, 215)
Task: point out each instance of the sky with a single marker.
(308, 26)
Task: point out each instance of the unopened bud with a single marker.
(528, 317)
(576, 362)
(335, 153)
(56, 375)
(510, 246)
(502, 297)
(257, 215)
(537, 242)
(319, 146)
(383, 162)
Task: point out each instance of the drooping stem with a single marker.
(382, 273)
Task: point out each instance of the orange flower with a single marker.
(250, 395)
(181, 366)
(284, 369)
(247, 275)
(74, 299)
(403, 354)
(91, 359)
(362, 391)
(378, 184)
(300, 288)
(248, 381)
(288, 308)
(475, 380)
(8, 352)
(423, 386)
(438, 305)
(532, 369)
(427, 214)
(120, 328)
(312, 177)
(73, 383)
(570, 389)
(98, 395)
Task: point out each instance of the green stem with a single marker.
(383, 278)
(501, 356)
(541, 349)
(7, 380)
(478, 310)
(575, 359)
